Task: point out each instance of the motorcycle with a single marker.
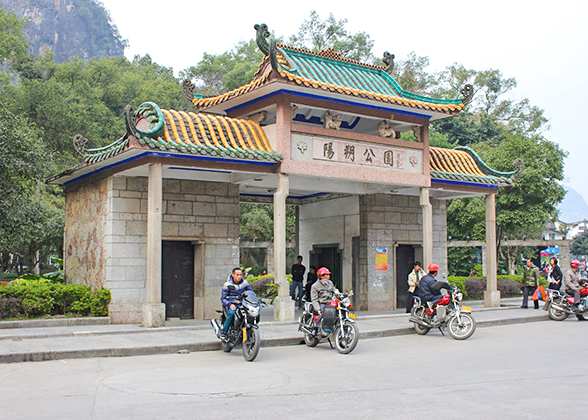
(244, 328)
(560, 305)
(445, 313)
(338, 324)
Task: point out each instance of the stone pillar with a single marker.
(483, 251)
(564, 257)
(427, 227)
(269, 257)
(492, 294)
(283, 304)
(154, 309)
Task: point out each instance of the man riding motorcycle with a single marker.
(322, 292)
(573, 284)
(240, 286)
(427, 290)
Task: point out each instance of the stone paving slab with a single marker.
(132, 340)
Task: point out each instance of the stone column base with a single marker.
(153, 315)
(492, 299)
(284, 308)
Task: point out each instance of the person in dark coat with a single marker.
(297, 277)
(427, 285)
(554, 275)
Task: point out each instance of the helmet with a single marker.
(575, 264)
(433, 267)
(322, 271)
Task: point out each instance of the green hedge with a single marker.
(39, 298)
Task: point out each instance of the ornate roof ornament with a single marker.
(267, 48)
(80, 144)
(468, 94)
(147, 110)
(519, 165)
(188, 88)
(389, 62)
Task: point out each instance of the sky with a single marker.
(542, 44)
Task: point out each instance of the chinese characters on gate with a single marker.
(338, 151)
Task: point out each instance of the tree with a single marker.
(579, 245)
(13, 46)
(316, 35)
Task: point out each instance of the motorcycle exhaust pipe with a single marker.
(305, 329)
(418, 321)
(561, 308)
(215, 326)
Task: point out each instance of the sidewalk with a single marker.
(54, 341)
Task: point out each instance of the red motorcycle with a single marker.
(560, 305)
(445, 313)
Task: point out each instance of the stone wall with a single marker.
(113, 213)
(389, 220)
(86, 226)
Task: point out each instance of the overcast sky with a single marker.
(544, 45)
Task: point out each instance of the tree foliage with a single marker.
(579, 245)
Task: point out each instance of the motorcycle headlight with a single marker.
(253, 311)
(459, 296)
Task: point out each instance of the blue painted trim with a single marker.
(338, 101)
(465, 184)
(171, 155)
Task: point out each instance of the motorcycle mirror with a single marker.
(232, 287)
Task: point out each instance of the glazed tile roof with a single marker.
(329, 71)
(463, 164)
(188, 132)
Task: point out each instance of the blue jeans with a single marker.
(229, 320)
(297, 285)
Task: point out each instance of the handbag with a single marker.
(542, 294)
(536, 295)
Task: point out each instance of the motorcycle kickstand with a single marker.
(442, 333)
(330, 344)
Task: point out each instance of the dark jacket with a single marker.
(226, 293)
(310, 280)
(298, 272)
(425, 288)
(557, 275)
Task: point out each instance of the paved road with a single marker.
(505, 372)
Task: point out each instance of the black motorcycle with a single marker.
(244, 329)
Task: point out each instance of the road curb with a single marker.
(298, 339)
(55, 322)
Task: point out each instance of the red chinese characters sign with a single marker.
(358, 154)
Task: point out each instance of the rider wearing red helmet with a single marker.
(572, 284)
(322, 292)
(426, 284)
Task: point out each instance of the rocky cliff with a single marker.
(68, 27)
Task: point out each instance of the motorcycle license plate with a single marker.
(466, 309)
(352, 316)
(244, 334)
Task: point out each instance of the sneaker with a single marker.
(222, 336)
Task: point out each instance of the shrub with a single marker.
(475, 288)
(12, 308)
(509, 288)
(458, 282)
(39, 297)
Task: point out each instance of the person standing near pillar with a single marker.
(554, 275)
(297, 277)
(531, 278)
(413, 284)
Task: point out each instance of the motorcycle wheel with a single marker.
(420, 313)
(310, 340)
(463, 330)
(251, 345)
(557, 315)
(347, 343)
